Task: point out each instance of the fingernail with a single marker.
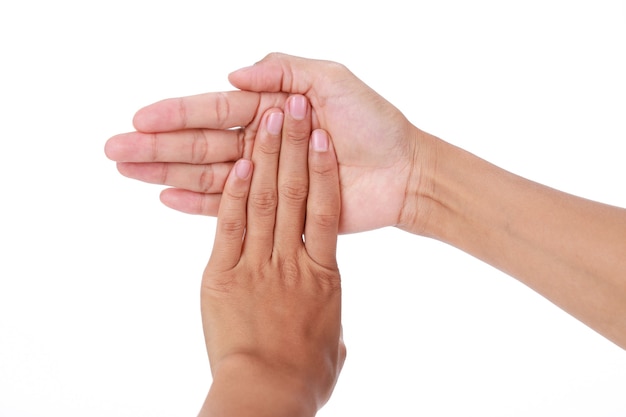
(319, 141)
(274, 123)
(297, 107)
(242, 168)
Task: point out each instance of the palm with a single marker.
(370, 137)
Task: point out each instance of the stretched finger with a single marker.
(191, 202)
(281, 72)
(263, 198)
(221, 110)
(292, 174)
(324, 201)
(193, 146)
(231, 219)
(208, 179)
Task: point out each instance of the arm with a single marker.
(569, 249)
(271, 303)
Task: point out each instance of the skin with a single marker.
(271, 303)
(183, 142)
(569, 249)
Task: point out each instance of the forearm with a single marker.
(244, 387)
(570, 250)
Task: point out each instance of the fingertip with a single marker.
(115, 148)
(163, 115)
(141, 119)
(190, 202)
(241, 78)
(298, 106)
(124, 168)
(274, 122)
(241, 70)
(262, 76)
(321, 151)
(243, 169)
(109, 149)
(320, 141)
(174, 199)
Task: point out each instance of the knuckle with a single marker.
(294, 191)
(241, 141)
(336, 67)
(154, 147)
(222, 109)
(324, 221)
(199, 147)
(298, 135)
(268, 149)
(206, 179)
(324, 170)
(182, 112)
(264, 202)
(273, 55)
(165, 173)
(236, 196)
(328, 279)
(233, 227)
(290, 270)
(215, 285)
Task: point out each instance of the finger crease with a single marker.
(199, 147)
(182, 110)
(164, 173)
(154, 147)
(206, 179)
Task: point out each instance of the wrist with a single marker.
(246, 386)
(419, 202)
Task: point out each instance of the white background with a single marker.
(99, 303)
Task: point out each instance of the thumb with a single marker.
(278, 73)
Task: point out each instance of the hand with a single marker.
(271, 301)
(182, 144)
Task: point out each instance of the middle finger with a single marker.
(293, 178)
(194, 146)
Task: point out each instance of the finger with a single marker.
(324, 201)
(231, 219)
(278, 72)
(263, 198)
(292, 174)
(211, 110)
(198, 178)
(190, 202)
(194, 146)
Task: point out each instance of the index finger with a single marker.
(222, 110)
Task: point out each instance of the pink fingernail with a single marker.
(319, 141)
(297, 107)
(243, 168)
(274, 123)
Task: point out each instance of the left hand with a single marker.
(271, 300)
(189, 144)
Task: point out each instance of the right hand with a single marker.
(271, 299)
(376, 145)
